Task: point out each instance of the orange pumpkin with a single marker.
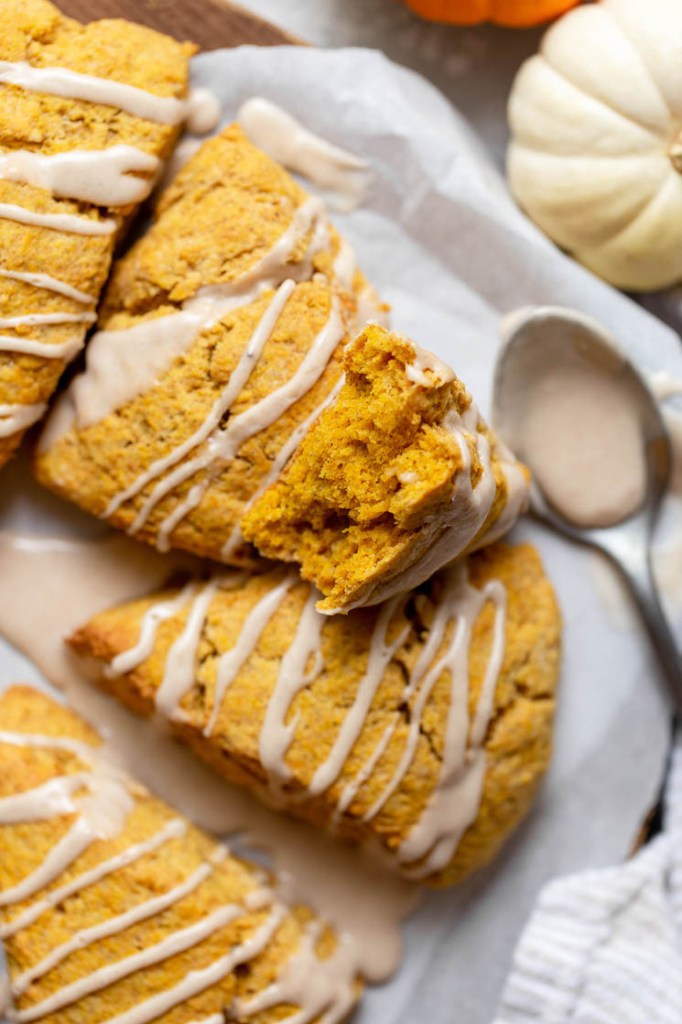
(512, 13)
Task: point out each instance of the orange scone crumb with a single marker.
(114, 907)
(58, 231)
(398, 476)
(421, 727)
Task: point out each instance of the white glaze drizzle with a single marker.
(50, 284)
(230, 663)
(453, 804)
(70, 223)
(35, 741)
(202, 111)
(88, 827)
(198, 981)
(52, 798)
(380, 655)
(276, 733)
(178, 674)
(55, 798)
(120, 366)
(198, 313)
(105, 177)
(211, 425)
(517, 493)
(423, 360)
(323, 988)
(177, 942)
(45, 349)
(286, 140)
(151, 621)
(19, 417)
(102, 812)
(455, 799)
(40, 319)
(112, 926)
(353, 787)
(224, 444)
(406, 759)
(478, 500)
(173, 829)
(427, 672)
(90, 401)
(73, 85)
(494, 592)
(274, 267)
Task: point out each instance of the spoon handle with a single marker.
(634, 563)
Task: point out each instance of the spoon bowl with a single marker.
(546, 343)
(536, 342)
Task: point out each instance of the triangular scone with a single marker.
(113, 908)
(420, 727)
(59, 221)
(398, 476)
(222, 332)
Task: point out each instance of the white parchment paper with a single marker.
(444, 244)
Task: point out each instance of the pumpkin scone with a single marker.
(115, 909)
(222, 330)
(420, 728)
(398, 476)
(87, 114)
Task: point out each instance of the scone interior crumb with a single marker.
(377, 464)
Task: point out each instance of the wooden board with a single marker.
(211, 24)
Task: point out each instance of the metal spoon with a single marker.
(530, 336)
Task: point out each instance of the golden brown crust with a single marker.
(36, 32)
(224, 212)
(92, 465)
(23, 847)
(221, 214)
(517, 743)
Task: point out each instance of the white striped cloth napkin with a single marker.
(605, 946)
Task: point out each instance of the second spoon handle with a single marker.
(634, 563)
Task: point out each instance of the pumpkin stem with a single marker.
(675, 154)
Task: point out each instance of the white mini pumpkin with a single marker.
(596, 151)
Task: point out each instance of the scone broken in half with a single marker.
(222, 331)
(420, 728)
(113, 908)
(87, 114)
(398, 476)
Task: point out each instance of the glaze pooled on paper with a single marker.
(61, 583)
(288, 142)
